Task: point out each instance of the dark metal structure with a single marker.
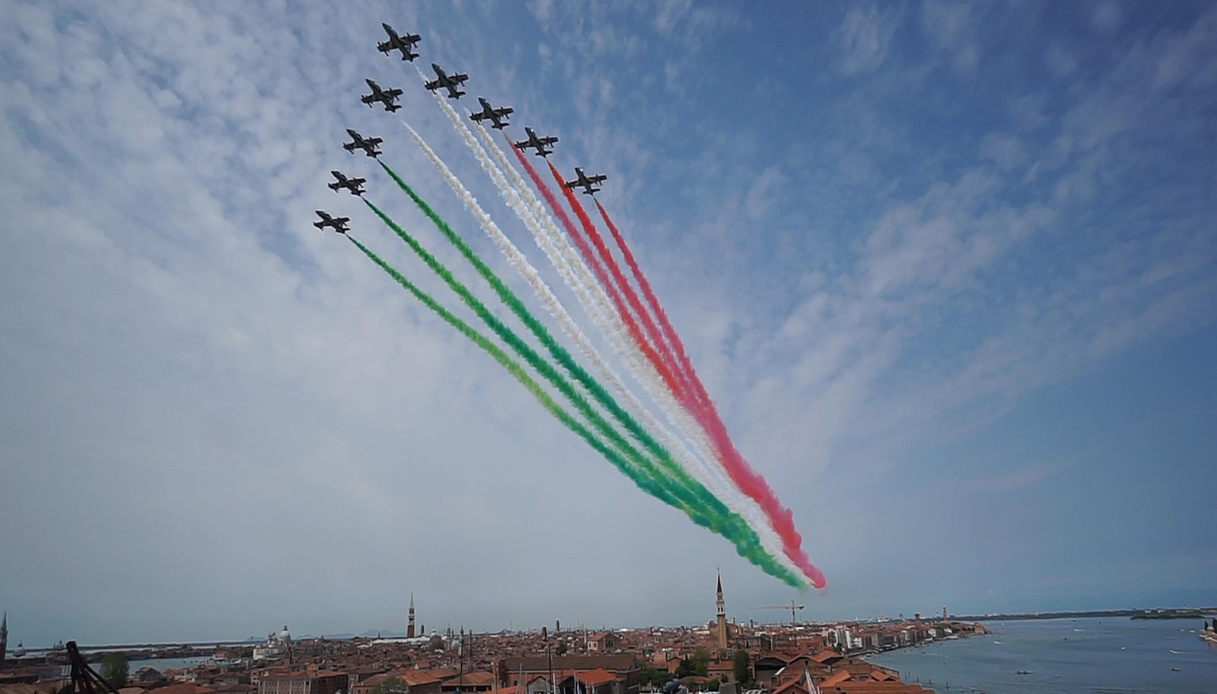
(85, 679)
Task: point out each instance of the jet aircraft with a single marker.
(497, 115)
(384, 96)
(338, 224)
(444, 81)
(538, 143)
(587, 183)
(355, 185)
(368, 145)
(405, 44)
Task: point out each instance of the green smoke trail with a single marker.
(550, 373)
(684, 481)
(513, 367)
(688, 495)
(559, 353)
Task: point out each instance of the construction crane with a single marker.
(792, 607)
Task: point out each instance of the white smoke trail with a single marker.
(591, 295)
(570, 265)
(513, 254)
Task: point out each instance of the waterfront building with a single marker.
(277, 645)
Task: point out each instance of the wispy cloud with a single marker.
(865, 37)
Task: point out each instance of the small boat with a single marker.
(1174, 669)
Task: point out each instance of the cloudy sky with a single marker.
(949, 271)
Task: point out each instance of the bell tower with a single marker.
(410, 619)
(3, 639)
(720, 626)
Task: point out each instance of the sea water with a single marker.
(1102, 656)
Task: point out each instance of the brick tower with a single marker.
(720, 626)
(410, 620)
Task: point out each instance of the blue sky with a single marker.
(949, 271)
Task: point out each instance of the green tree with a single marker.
(114, 670)
(561, 649)
(701, 662)
(696, 664)
(739, 668)
(711, 685)
(652, 675)
(391, 685)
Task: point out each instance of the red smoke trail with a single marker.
(741, 473)
(683, 366)
(680, 387)
(635, 333)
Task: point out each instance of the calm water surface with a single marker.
(1102, 656)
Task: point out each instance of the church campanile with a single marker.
(720, 627)
(410, 620)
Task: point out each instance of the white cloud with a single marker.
(864, 38)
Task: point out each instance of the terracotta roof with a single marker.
(417, 678)
(472, 679)
(836, 678)
(300, 675)
(185, 688)
(597, 677)
(531, 664)
(794, 686)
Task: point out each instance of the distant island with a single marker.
(1162, 613)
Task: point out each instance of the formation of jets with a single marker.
(354, 185)
(587, 183)
(388, 97)
(368, 145)
(498, 116)
(444, 81)
(338, 224)
(536, 142)
(405, 43)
